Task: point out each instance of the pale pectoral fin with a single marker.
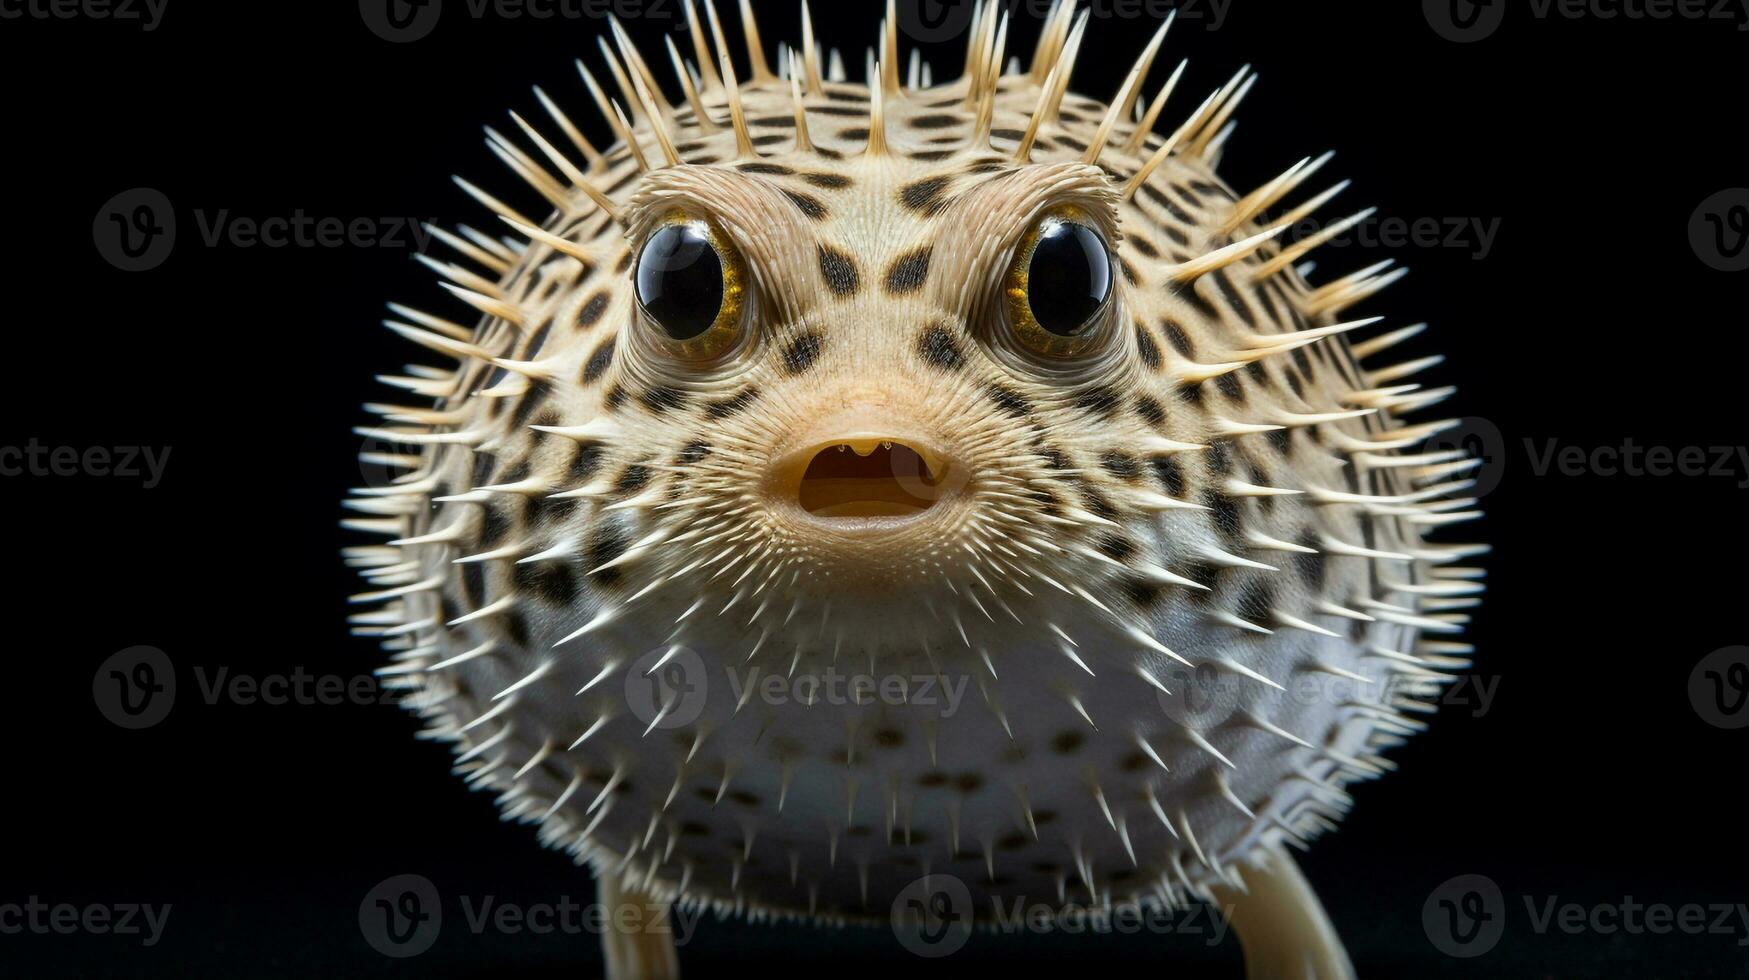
(646, 950)
(1281, 924)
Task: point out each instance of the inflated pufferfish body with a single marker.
(850, 484)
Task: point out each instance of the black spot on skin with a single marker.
(1230, 386)
(483, 463)
(742, 797)
(733, 405)
(932, 156)
(839, 271)
(474, 584)
(1067, 742)
(1007, 134)
(610, 542)
(988, 167)
(810, 206)
(1223, 512)
(968, 782)
(772, 139)
(801, 353)
(853, 134)
(516, 628)
(1129, 271)
(935, 121)
(1143, 246)
(834, 182)
(663, 398)
(1121, 465)
(1256, 604)
(531, 399)
(889, 738)
(1220, 457)
(1150, 410)
(844, 111)
(937, 348)
(1009, 400)
(1098, 504)
(692, 828)
(1169, 473)
(909, 271)
(781, 122)
(1012, 842)
(932, 780)
(586, 463)
(599, 362)
(1147, 349)
(553, 581)
(693, 452)
(1191, 393)
(592, 310)
(924, 195)
(1102, 400)
(536, 341)
(1055, 457)
(500, 519)
(1140, 592)
(1313, 568)
(1117, 548)
(632, 480)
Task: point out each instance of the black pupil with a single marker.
(680, 280)
(1069, 278)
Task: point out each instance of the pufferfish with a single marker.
(860, 500)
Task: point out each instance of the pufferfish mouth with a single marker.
(861, 478)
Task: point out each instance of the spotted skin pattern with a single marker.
(1222, 501)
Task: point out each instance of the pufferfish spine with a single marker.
(984, 402)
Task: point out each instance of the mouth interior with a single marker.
(868, 478)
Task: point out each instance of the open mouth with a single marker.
(870, 478)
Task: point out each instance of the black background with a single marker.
(1591, 779)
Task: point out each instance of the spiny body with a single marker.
(1215, 499)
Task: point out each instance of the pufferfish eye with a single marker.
(1059, 284)
(689, 286)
